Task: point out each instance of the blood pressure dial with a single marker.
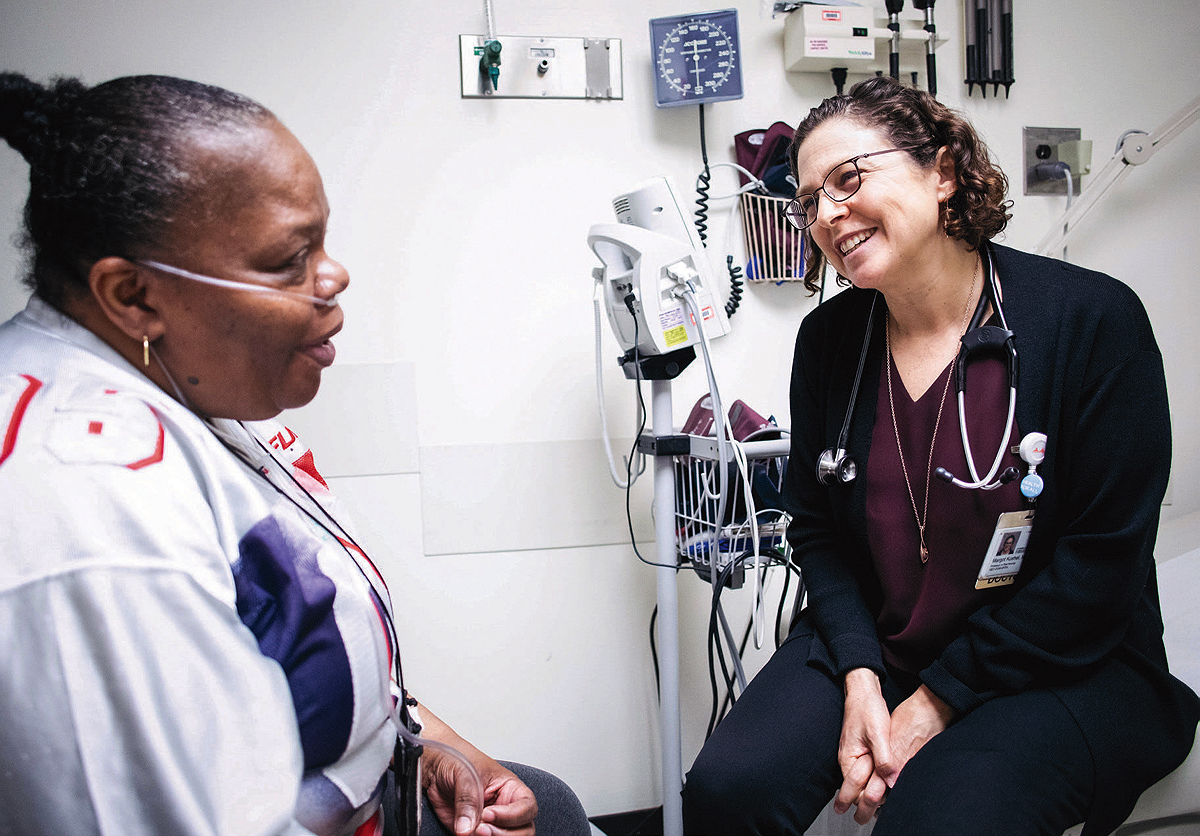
(696, 58)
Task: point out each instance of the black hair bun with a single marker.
(28, 112)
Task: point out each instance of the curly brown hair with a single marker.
(914, 120)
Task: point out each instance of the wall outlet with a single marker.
(1041, 146)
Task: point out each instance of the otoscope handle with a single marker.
(894, 7)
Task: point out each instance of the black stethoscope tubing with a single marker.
(836, 466)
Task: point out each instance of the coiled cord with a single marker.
(703, 183)
(703, 186)
(735, 286)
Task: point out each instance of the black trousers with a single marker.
(1016, 765)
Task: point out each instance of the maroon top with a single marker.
(925, 606)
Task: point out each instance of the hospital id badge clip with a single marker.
(1006, 550)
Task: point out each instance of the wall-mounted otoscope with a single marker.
(844, 39)
(989, 45)
(930, 60)
(894, 7)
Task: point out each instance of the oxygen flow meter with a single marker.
(696, 58)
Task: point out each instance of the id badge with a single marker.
(1006, 550)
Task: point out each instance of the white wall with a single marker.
(463, 222)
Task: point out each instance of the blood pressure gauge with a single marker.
(696, 58)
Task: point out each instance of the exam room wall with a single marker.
(462, 223)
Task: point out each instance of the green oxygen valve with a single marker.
(489, 62)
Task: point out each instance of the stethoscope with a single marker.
(835, 465)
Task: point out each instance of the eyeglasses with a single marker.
(839, 185)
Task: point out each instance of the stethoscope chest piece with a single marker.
(834, 467)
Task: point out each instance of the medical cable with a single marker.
(751, 528)
(723, 461)
(755, 184)
(751, 525)
(716, 654)
(489, 16)
(714, 642)
(227, 283)
(703, 184)
(455, 755)
(612, 465)
(346, 541)
(719, 428)
(343, 538)
(739, 672)
(719, 706)
(798, 605)
(170, 379)
(630, 300)
(735, 270)
(1070, 196)
(718, 410)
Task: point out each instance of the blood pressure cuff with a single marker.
(764, 153)
(765, 474)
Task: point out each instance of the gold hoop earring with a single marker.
(146, 350)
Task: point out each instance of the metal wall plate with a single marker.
(1046, 139)
(544, 68)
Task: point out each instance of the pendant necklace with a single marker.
(923, 518)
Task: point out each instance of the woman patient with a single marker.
(195, 643)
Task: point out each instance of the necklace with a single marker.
(923, 517)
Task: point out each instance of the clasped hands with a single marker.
(509, 807)
(876, 744)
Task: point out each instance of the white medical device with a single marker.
(818, 38)
(657, 287)
(652, 258)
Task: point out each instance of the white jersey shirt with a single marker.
(190, 641)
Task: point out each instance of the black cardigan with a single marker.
(1083, 618)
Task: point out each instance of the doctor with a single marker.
(930, 682)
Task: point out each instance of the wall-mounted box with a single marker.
(819, 38)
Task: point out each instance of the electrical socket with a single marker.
(1041, 146)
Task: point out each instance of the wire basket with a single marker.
(774, 248)
(708, 542)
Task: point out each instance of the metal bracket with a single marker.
(544, 68)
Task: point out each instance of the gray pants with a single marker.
(559, 810)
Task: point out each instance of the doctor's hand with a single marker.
(914, 723)
(864, 751)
